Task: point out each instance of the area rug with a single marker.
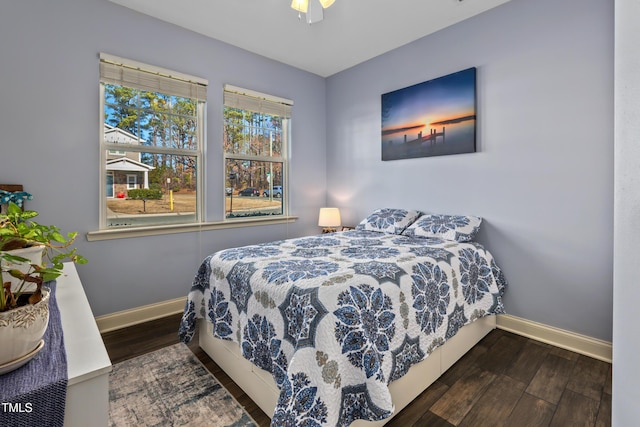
(170, 387)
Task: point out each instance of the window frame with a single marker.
(108, 147)
(275, 106)
(110, 233)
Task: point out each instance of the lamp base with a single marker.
(328, 230)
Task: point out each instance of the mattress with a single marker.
(336, 318)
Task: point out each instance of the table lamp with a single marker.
(329, 219)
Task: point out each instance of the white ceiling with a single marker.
(351, 32)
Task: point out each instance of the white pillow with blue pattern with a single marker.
(459, 228)
(387, 220)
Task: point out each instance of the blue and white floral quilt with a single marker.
(335, 318)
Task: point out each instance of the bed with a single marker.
(346, 328)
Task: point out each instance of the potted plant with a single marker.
(31, 254)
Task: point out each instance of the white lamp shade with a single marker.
(329, 217)
(326, 3)
(300, 5)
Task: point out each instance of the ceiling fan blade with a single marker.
(326, 3)
(300, 5)
(314, 12)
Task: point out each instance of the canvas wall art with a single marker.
(432, 118)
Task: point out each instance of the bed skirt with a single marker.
(261, 388)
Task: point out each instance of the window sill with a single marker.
(124, 233)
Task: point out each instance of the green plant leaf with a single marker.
(14, 258)
(49, 274)
(16, 273)
(57, 237)
(79, 259)
(3, 298)
(13, 209)
(18, 230)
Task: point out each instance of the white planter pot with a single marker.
(34, 254)
(22, 328)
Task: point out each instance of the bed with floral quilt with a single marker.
(336, 319)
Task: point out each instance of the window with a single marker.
(151, 145)
(132, 182)
(256, 134)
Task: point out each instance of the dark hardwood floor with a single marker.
(505, 380)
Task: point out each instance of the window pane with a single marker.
(253, 188)
(155, 101)
(121, 96)
(155, 119)
(118, 135)
(150, 189)
(184, 132)
(251, 133)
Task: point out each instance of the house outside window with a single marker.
(256, 140)
(151, 145)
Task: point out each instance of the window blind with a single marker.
(245, 99)
(123, 72)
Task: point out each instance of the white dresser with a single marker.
(87, 360)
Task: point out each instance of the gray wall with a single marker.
(542, 176)
(626, 376)
(50, 123)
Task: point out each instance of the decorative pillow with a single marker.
(448, 227)
(386, 220)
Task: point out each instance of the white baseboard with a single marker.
(582, 344)
(122, 319)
